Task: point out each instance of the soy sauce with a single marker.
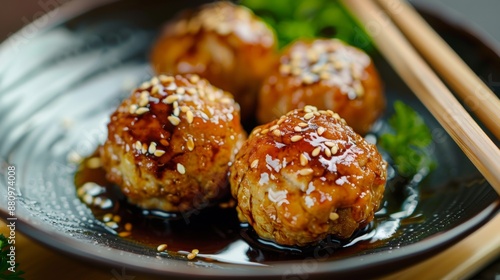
(216, 231)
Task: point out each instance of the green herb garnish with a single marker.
(294, 19)
(408, 146)
(5, 266)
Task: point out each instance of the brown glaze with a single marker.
(171, 142)
(225, 43)
(328, 74)
(305, 176)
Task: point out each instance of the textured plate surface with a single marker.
(59, 84)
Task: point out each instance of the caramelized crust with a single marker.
(305, 176)
(225, 43)
(171, 142)
(328, 74)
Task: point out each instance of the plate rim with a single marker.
(427, 246)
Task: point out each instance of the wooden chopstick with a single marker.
(429, 89)
(462, 260)
(469, 87)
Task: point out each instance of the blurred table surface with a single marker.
(40, 262)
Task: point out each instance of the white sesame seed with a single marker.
(285, 69)
(273, 127)
(133, 108)
(308, 116)
(277, 132)
(184, 108)
(281, 120)
(181, 169)
(297, 129)
(180, 90)
(335, 149)
(325, 75)
(190, 144)
(257, 130)
(155, 89)
(334, 216)
(145, 85)
(152, 148)
(328, 152)
(316, 151)
(296, 138)
(94, 163)
(330, 143)
(303, 160)
(265, 131)
(306, 171)
(308, 78)
(309, 109)
(142, 110)
(138, 145)
(170, 99)
(189, 116)
(191, 256)
(321, 130)
(191, 91)
(166, 79)
(155, 81)
(303, 124)
(194, 79)
(177, 111)
(358, 88)
(159, 153)
(161, 247)
(144, 148)
(107, 217)
(254, 163)
(174, 120)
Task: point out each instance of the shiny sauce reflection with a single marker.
(219, 236)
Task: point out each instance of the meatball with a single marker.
(225, 43)
(328, 74)
(305, 176)
(170, 144)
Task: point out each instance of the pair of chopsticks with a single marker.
(380, 22)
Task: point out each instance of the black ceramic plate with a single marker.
(62, 76)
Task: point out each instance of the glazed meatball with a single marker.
(170, 144)
(305, 176)
(225, 43)
(328, 74)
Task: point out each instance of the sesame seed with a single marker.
(325, 75)
(184, 108)
(117, 218)
(297, 129)
(152, 148)
(277, 132)
(273, 127)
(138, 145)
(177, 111)
(161, 247)
(335, 149)
(296, 138)
(155, 89)
(144, 148)
(106, 218)
(296, 71)
(142, 110)
(308, 78)
(308, 116)
(191, 256)
(306, 171)
(316, 151)
(336, 116)
(265, 131)
(285, 69)
(180, 90)
(166, 79)
(145, 85)
(171, 86)
(338, 64)
(133, 108)
(316, 68)
(358, 88)
(194, 79)
(155, 81)
(281, 120)
(111, 224)
(124, 233)
(94, 163)
(195, 251)
(190, 144)
(257, 130)
(309, 109)
(303, 160)
(174, 120)
(191, 90)
(328, 152)
(181, 169)
(330, 143)
(303, 124)
(254, 163)
(128, 226)
(189, 116)
(321, 130)
(170, 99)
(159, 153)
(226, 100)
(334, 216)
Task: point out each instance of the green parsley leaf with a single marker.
(408, 144)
